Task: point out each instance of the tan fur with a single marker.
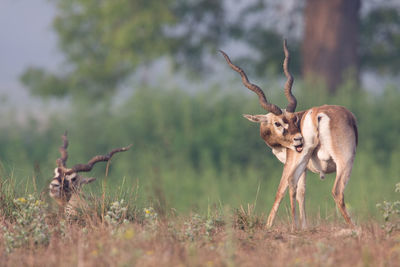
(279, 130)
(329, 138)
(321, 139)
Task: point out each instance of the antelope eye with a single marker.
(277, 124)
(73, 179)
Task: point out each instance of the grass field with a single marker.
(35, 233)
(192, 241)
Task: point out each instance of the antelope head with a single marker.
(67, 181)
(280, 127)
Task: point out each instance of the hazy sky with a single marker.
(26, 39)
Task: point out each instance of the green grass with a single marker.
(186, 190)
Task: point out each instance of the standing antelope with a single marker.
(322, 139)
(66, 183)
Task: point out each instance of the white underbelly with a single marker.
(321, 162)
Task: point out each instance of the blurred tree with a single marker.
(331, 40)
(261, 25)
(380, 40)
(105, 41)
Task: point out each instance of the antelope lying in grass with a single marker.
(66, 184)
(321, 139)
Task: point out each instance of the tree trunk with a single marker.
(330, 41)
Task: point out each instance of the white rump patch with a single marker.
(308, 131)
(324, 131)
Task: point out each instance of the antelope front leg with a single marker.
(297, 192)
(295, 169)
(300, 196)
(286, 181)
(288, 171)
(283, 185)
(292, 196)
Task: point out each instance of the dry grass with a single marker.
(184, 241)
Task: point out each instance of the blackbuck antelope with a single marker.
(322, 139)
(66, 184)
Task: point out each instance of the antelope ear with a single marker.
(57, 172)
(256, 118)
(87, 180)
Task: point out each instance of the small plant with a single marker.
(246, 219)
(151, 218)
(213, 221)
(210, 227)
(391, 213)
(60, 229)
(30, 228)
(193, 227)
(116, 214)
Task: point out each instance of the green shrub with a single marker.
(30, 228)
(116, 214)
(391, 213)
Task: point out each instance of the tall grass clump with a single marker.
(7, 195)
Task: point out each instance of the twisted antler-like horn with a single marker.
(291, 107)
(63, 151)
(61, 162)
(261, 96)
(88, 167)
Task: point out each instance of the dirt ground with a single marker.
(175, 243)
